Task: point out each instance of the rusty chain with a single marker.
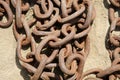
(58, 38)
(57, 25)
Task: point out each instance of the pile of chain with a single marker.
(57, 36)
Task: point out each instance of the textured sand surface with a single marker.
(98, 57)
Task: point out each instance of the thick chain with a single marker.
(58, 38)
(63, 28)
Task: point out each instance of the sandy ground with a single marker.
(98, 57)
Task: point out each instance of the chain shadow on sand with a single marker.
(23, 71)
